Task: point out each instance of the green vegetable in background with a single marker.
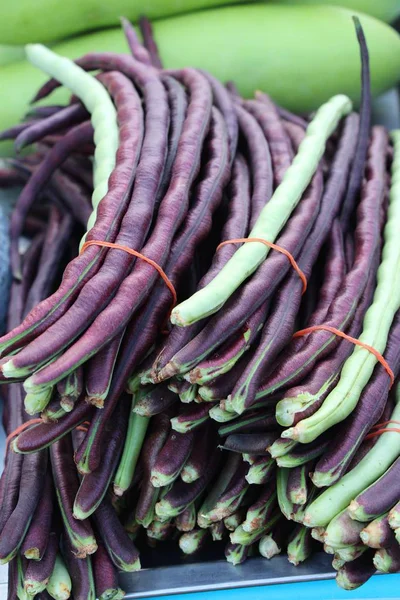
(300, 55)
(386, 10)
(10, 54)
(50, 20)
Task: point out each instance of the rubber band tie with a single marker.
(151, 262)
(380, 431)
(353, 340)
(384, 429)
(36, 421)
(274, 247)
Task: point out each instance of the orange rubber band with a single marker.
(157, 267)
(83, 426)
(21, 428)
(384, 423)
(36, 421)
(355, 341)
(380, 431)
(274, 247)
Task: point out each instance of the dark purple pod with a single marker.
(99, 371)
(138, 51)
(181, 494)
(251, 423)
(149, 42)
(358, 166)
(94, 486)
(105, 574)
(33, 475)
(155, 401)
(236, 553)
(35, 542)
(76, 136)
(62, 119)
(353, 574)
(387, 560)
(143, 277)
(12, 580)
(117, 542)
(192, 541)
(190, 418)
(259, 157)
(177, 102)
(38, 572)
(223, 101)
(266, 113)
(155, 439)
(229, 353)
(81, 573)
(251, 443)
(11, 477)
(12, 132)
(231, 498)
(186, 520)
(172, 458)
(66, 483)
(261, 470)
(53, 411)
(74, 197)
(42, 435)
(219, 389)
(203, 445)
(160, 530)
(236, 226)
(379, 497)
(297, 483)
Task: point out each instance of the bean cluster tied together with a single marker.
(133, 422)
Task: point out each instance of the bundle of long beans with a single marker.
(125, 429)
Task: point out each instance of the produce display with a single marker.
(203, 334)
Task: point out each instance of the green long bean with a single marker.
(99, 104)
(337, 497)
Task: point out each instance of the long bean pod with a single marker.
(35, 542)
(33, 475)
(94, 486)
(66, 483)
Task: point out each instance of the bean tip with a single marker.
(290, 433)
(118, 490)
(96, 401)
(32, 554)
